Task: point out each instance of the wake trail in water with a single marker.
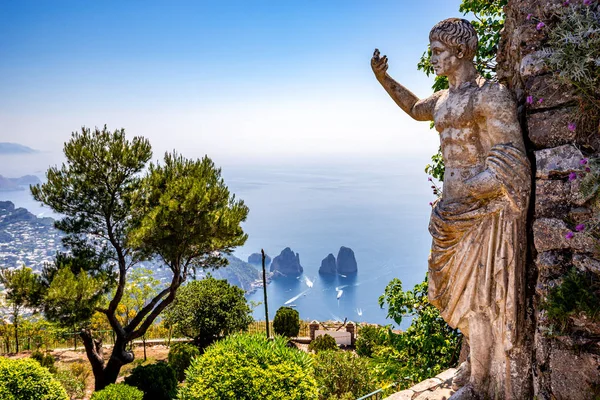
(296, 297)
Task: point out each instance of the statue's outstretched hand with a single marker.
(379, 64)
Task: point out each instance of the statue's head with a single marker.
(452, 41)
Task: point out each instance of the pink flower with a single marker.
(569, 235)
(580, 227)
(541, 100)
(587, 2)
(572, 176)
(529, 100)
(431, 204)
(529, 16)
(587, 169)
(566, 3)
(429, 179)
(539, 26)
(572, 126)
(583, 161)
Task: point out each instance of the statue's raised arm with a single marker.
(421, 110)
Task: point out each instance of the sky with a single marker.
(237, 80)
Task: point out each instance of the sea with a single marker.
(377, 206)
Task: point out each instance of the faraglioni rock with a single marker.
(346, 262)
(256, 259)
(287, 263)
(328, 265)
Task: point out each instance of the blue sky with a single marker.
(233, 79)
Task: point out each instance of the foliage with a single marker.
(369, 337)
(340, 374)
(245, 367)
(180, 358)
(118, 391)
(26, 379)
(578, 293)
(436, 169)
(286, 322)
(208, 309)
(573, 50)
(72, 298)
(157, 381)
(180, 212)
(73, 378)
(45, 359)
(323, 343)
(426, 348)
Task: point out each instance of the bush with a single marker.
(26, 379)
(249, 367)
(157, 381)
(369, 337)
(73, 378)
(341, 375)
(45, 360)
(286, 322)
(118, 391)
(180, 357)
(323, 343)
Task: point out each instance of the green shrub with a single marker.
(157, 381)
(341, 374)
(247, 367)
(26, 379)
(369, 337)
(45, 360)
(73, 378)
(323, 343)
(180, 357)
(286, 322)
(118, 391)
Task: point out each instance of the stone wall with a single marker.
(565, 365)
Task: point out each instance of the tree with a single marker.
(208, 309)
(23, 290)
(181, 213)
(427, 347)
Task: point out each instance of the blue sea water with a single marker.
(378, 207)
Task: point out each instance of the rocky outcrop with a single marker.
(286, 264)
(256, 259)
(328, 265)
(346, 262)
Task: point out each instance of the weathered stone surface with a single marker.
(550, 234)
(465, 393)
(585, 263)
(346, 262)
(328, 265)
(256, 259)
(447, 375)
(427, 385)
(550, 90)
(557, 161)
(286, 264)
(550, 128)
(573, 375)
(403, 395)
(555, 198)
(533, 64)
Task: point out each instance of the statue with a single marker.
(477, 260)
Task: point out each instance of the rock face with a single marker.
(256, 259)
(286, 264)
(328, 265)
(566, 363)
(346, 262)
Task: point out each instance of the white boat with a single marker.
(339, 294)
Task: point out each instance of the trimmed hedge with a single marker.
(119, 391)
(286, 322)
(157, 381)
(323, 343)
(26, 379)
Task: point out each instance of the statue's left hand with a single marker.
(379, 64)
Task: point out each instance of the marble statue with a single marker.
(477, 260)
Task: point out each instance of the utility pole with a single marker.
(262, 251)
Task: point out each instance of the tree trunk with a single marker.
(144, 342)
(16, 335)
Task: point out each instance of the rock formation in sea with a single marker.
(256, 259)
(328, 265)
(287, 264)
(346, 262)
